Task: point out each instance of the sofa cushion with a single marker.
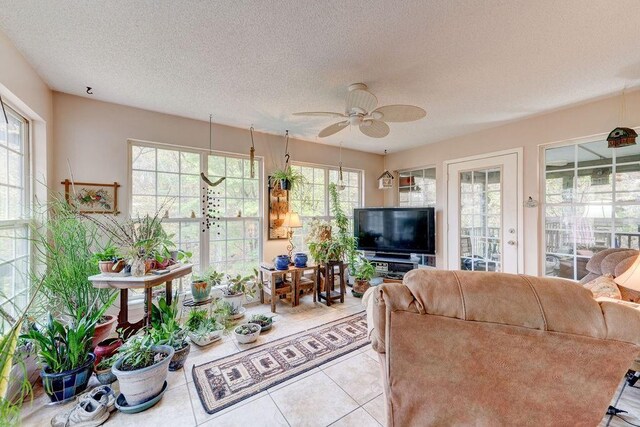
(604, 286)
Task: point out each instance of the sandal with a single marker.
(87, 413)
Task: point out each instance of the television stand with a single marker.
(392, 266)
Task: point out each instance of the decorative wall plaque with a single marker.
(91, 197)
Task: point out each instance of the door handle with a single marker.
(511, 242)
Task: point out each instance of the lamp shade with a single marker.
(292, 220)
(630, 279)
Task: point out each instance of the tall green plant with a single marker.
(64, 245)
(345, 239)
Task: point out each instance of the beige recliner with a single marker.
(494, 349)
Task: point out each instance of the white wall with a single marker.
(23, 89)
(92, 136)
(596, 118)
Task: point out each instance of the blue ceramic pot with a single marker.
(282, 262)
(63, 386)
(300, 260)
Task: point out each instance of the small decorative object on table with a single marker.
(247, 333)
(300, 260)
(282, 262)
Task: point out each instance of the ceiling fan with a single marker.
(361, 111)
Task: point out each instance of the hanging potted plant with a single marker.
(364, 272)
(142, 369)
(65, 354)
(287, 178)
(165, 330)
(239, 288)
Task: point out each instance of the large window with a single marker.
(168, 180)
(312, 200)
(14, 213)
(592, 202)
(417, 188)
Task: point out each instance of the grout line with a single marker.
(345, 415)
(278, 408)
(345, 391)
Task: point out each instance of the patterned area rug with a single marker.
(226, 381)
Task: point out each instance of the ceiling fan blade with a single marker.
(374, 128)
(319, 114)
(334, 128)
(399, 113)
(361, 99)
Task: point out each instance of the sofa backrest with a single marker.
(498, 349)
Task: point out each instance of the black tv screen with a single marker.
(395, 230)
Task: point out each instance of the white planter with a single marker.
(144, 384)
(235, 301)
(249, 338)
(204, 340)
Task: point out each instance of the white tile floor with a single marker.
(343, 392)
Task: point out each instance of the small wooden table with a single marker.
(146, 282)
(293, 286)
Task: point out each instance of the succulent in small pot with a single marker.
(142, 369)
(264, 321)
(247, 333)
(202, 328)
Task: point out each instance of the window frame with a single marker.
(204, 237)
(23, 221)
(542, 238)
(411, 170)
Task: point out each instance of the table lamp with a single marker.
(291, 221)
(630, 279)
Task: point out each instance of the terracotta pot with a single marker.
(106, 348)
(361, 286)
(105, 266)
(149, 264)
(103, 330)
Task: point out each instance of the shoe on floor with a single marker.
(87, 413)
(103, 394)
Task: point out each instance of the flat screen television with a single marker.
(395, 230)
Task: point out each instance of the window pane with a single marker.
(143, 158)
(190, 163)
(168, 161)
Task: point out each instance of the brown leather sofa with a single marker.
(494, 349)
(614, 262)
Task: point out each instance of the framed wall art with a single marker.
(92, 197)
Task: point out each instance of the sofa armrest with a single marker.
(375, 318)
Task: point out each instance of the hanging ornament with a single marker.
(202, 175)
(341, 185)
(385, 181)
(622, 136)
(252, 155)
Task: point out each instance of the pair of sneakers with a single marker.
(93, 409)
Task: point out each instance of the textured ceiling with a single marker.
(471, 64)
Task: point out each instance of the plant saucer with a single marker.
(121, 402)
(239, 314)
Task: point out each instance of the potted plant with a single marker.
(65, 353)
(201, 284)
(240, 287)
(287, 178)
(65, 244)
(108, 347)
(103, 371)
(108, 260)
(165, 330)
(247, 333)
(202, 328)
(142, 369)
(265, 322)
(363, 273)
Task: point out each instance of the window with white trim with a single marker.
(591, 203)
(312, 200)
(14, 214)
(168, 179)
(417, 188)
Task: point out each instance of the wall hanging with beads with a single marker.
(211, 210)
(278, 208)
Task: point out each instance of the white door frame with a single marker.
(520, 200)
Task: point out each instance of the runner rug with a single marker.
(228, 380)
